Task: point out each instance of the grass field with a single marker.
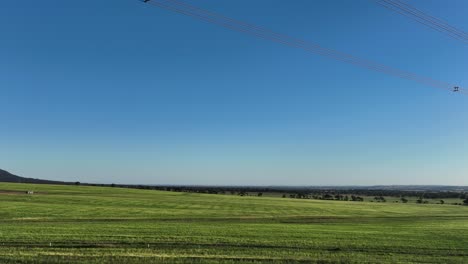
(66, 224)
(389, 199)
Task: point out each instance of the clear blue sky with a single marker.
(119, 91)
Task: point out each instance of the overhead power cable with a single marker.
(419, 16)
(236, 25)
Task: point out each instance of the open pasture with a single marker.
(66, 224)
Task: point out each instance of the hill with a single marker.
(6, 176)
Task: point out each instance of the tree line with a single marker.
(341, 194)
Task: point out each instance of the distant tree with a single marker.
(260, 194)
(113, 185)
(465, 202)
(356, 198)
(284, 195)
(301, 196)
(403, 200)
(77, 183)
(346, 198)
(442, 201)
(380, 199)
(419, 201)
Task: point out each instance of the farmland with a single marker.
(63, 224)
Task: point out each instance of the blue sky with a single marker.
(120, 91)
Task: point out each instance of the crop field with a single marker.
(67, 224)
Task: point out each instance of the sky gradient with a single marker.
(123, 92)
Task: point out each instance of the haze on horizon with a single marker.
(127, 93)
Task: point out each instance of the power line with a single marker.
(432, 22)
(428, 20)
(236, 25)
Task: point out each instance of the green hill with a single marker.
(65, 224)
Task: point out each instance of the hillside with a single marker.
(69, 224)
(6, 176)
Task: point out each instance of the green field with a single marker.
(389, 199)
(66, 224)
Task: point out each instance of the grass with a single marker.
(66, 224)
(389, 199)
